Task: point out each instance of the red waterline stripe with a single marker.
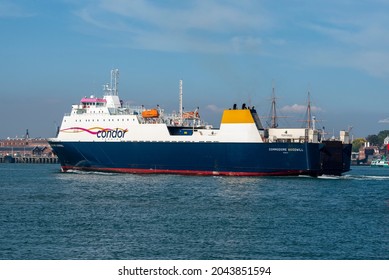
(186, 172)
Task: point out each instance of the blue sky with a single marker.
(55, 52)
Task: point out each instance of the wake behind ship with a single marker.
(103, 134)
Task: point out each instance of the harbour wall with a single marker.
(26, 150)
(29, 160)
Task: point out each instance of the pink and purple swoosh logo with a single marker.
(98, 131)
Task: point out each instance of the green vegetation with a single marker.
(357, 143)
(374, 140)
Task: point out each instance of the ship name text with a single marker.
(118, 133)
(286, 150)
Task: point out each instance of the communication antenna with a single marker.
(309, 113)
(111, 89)
(114, 81)
(273, 113)
(180, 100)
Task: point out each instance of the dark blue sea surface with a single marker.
(46, 214)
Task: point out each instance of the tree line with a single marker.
(374, 140)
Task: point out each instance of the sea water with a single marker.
(46, 214)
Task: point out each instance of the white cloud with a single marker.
(384, 120)
(297, 108)
(373, 62)
(210, 16)
(358, 38)
(214, 108)
(9, 9)
(338, 34)
(199, 26)
(246, 44)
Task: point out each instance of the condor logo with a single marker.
(110, 133)
(98, 131)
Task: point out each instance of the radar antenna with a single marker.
(114, 81)
(180, 101)
(112, 88)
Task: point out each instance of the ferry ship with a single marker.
(104, 134)
(382, 162)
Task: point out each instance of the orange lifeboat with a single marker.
(152, 113)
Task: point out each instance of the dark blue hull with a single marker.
(244, 159)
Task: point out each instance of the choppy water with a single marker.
(45, 214)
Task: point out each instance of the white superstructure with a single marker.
(108, 119)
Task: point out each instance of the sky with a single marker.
(55, 52)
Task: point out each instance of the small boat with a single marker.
(382, 162)
(9, 159)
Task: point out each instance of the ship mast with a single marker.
(309, 114)
(111, 94)
(180, 101)
(273, 123)
(111, 89)
(114, 81)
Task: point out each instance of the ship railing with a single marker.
(124, 111)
